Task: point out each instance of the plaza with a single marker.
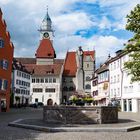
(14, 133)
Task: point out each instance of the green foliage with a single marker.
(133, 46)
(84, 98)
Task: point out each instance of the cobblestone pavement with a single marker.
(12, 133)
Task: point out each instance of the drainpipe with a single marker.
(121, 69)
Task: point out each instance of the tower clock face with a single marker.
(46, 34)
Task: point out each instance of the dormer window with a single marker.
(1, 43)
(49, 54)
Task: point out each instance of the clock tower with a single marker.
(46, 31)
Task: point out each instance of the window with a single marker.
(118, 63)
(87, 65)
(87, 78)
(22, 74)
(71, 88)
(111, 67)
(42, 80)
(54, 80)
(18, 73)
(36, 100)
(0, 84)
(46, 80)
(37, 90)
(4, 64)
(114, 65)
(118, 78)
(114, 92)
(111, 79)
(95, 93)
(37, 80)
(114, 79)
(28, 92)
(1, 43)
(65, 89)
(17, 91)
(94, 83)
(88, 86)
(17, 82)
(50, 90)
(33, 80)
(50, 80)
(130, 104)
(3, 84)
(64, 80)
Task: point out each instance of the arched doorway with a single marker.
(50, 102)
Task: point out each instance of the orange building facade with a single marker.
(6, 57)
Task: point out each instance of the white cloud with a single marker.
(107, 44)
(103, 45)
(4, 2)
(70, 23)
(104, 23)
(118, 8)
(24, 18)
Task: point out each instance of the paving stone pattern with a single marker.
(12, 133)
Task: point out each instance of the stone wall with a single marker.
(80, 115)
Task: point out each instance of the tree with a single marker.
(133, 45)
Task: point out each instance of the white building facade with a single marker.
(115, 78)
(121, 87)
(46, 88)
(130, 91)
(100, 86)
(21, 80)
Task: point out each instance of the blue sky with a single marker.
(93, 24)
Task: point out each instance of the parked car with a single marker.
(37, 104)
(40, 104)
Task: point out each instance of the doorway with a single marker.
(50, 102)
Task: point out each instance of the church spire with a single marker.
(46, 30)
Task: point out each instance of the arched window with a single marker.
(88, 86)
(87, 78)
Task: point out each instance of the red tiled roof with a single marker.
(44, 70)
(41, 70)
(26, 60)
(91, 53)
(45, 49)
(70, 66)
(33, 60)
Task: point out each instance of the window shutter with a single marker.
(1, 43)
(1, 63)
(0, 84)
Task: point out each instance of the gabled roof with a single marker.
(26, 60)
(45, 49)
(16, 65)
(89, 53)
(45, 70)
(70, 66)
(41, 70)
